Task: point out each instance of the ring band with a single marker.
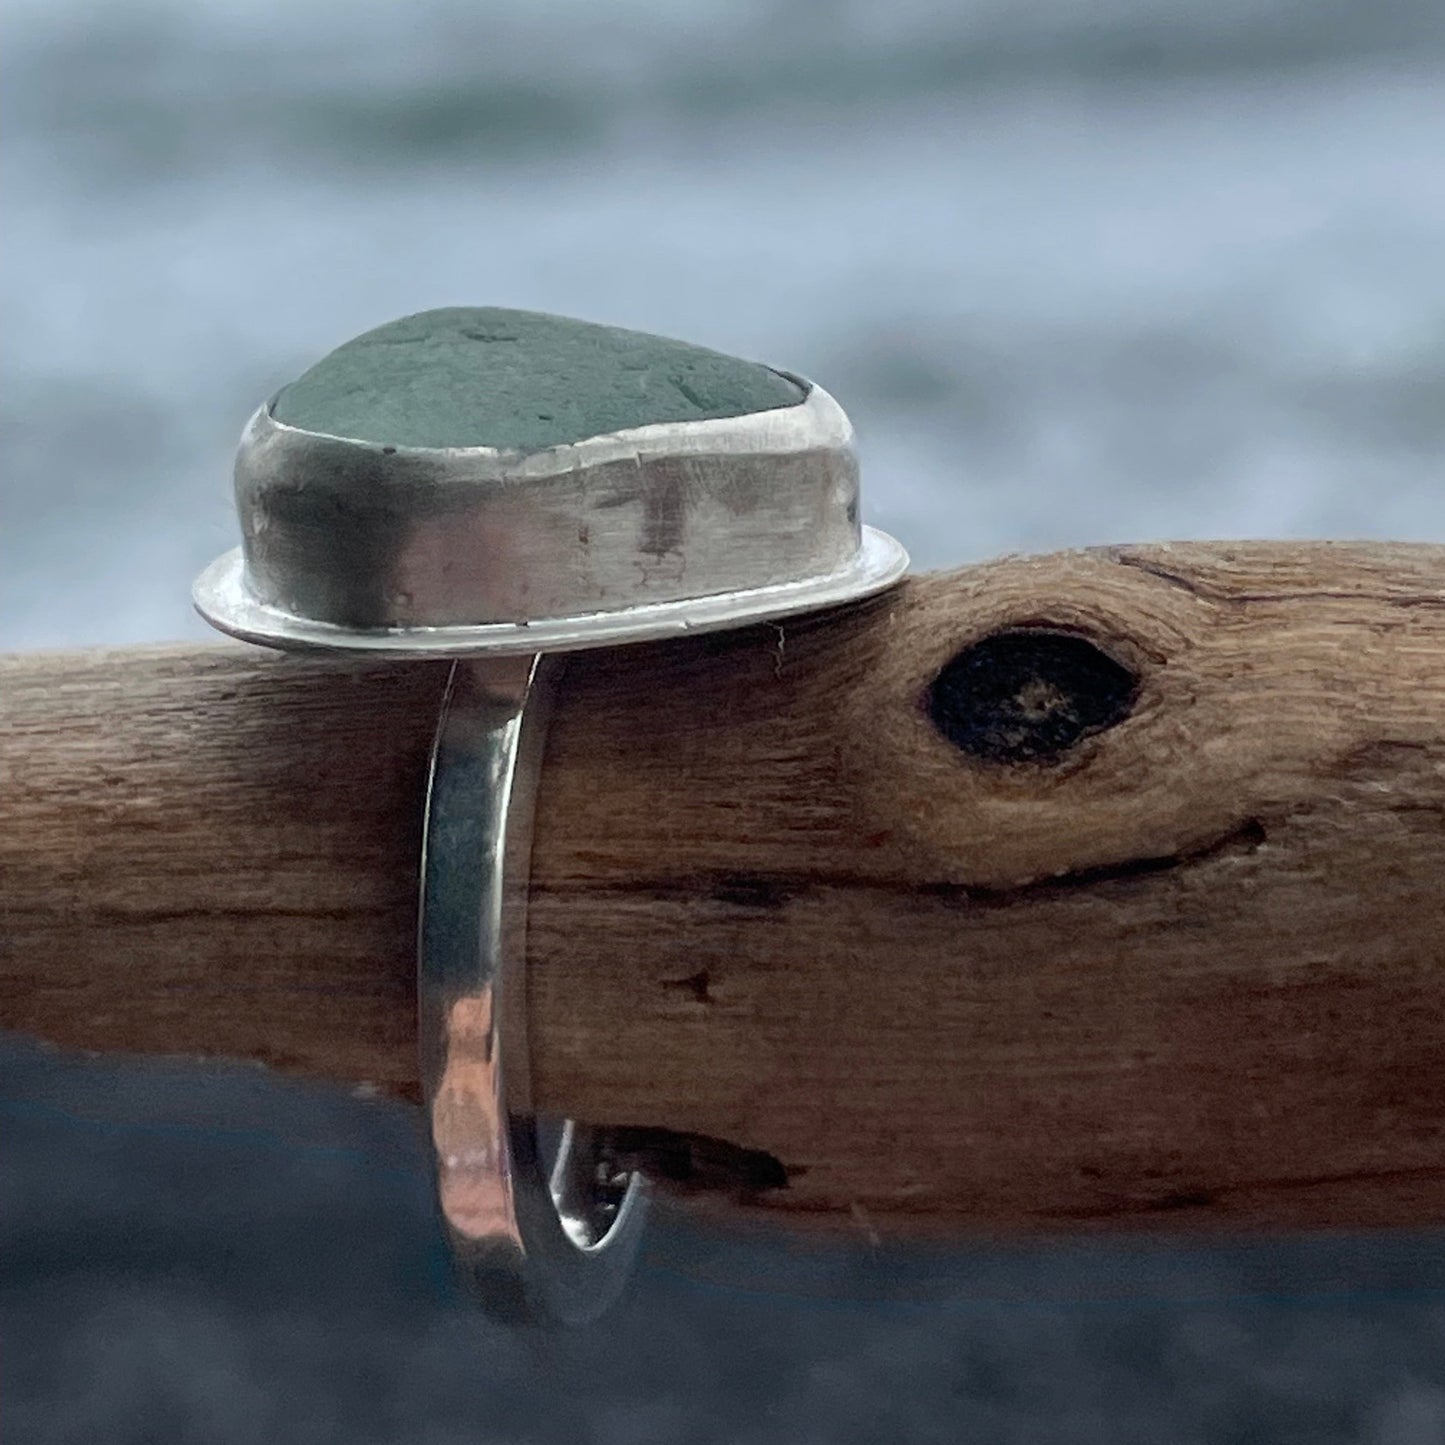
(537, 1242)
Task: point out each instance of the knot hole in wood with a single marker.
(1029, 694)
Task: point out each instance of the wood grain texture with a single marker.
(1188, 972)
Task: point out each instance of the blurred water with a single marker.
(1080, 272)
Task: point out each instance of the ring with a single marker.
(538, 1241)
(500, 487)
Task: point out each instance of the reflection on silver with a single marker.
(469, 551)
(538, 1244)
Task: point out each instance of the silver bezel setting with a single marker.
(637, 535)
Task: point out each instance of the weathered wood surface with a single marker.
(1186, 971)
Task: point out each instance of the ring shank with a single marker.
(525, 1232)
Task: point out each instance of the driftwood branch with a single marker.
(1134, 915)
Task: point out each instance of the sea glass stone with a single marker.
(518, 381)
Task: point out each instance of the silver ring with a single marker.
(499, 557)
(538, 1241)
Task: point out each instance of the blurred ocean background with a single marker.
(1080, 270)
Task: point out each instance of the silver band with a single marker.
(538, 1242)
